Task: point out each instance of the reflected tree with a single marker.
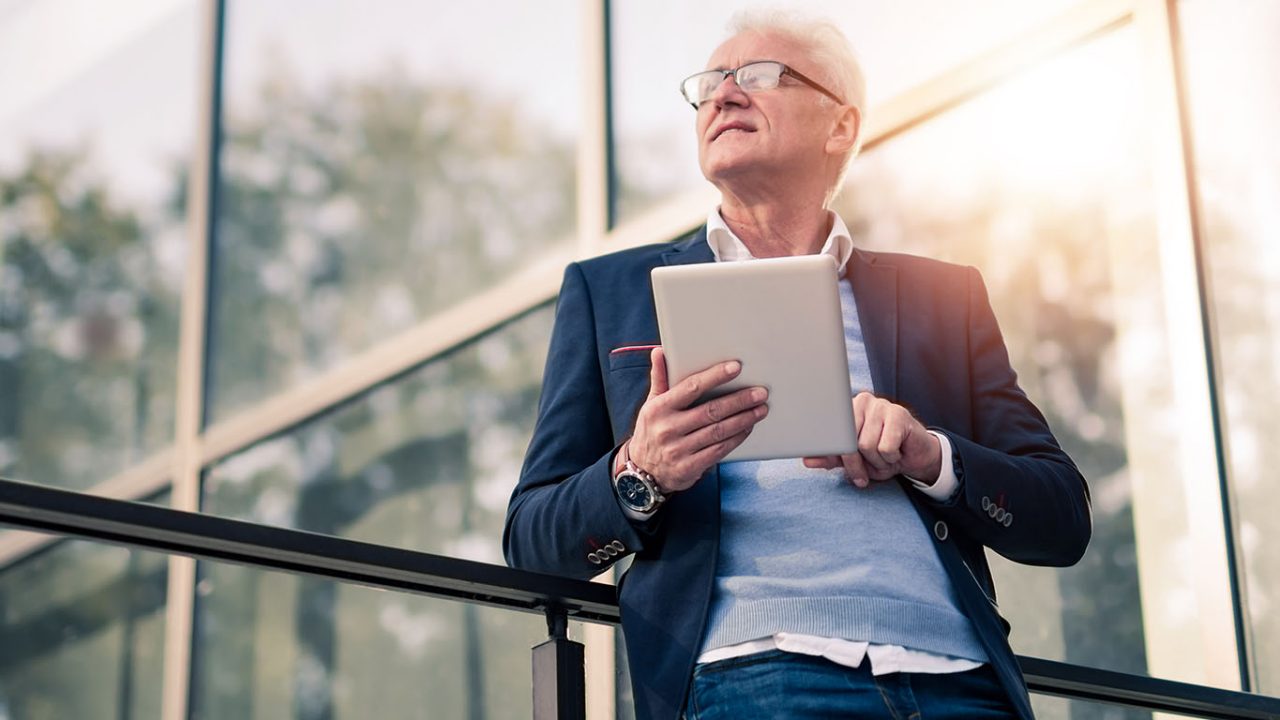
(88, 325)
(1053, 295)
(1246, 317)
(345, 214)
(349, 212)
(81, 625)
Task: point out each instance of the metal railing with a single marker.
(558, 673)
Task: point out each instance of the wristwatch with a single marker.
(636, 489)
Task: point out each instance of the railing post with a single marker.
(559, 681)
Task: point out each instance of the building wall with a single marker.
(294, 262)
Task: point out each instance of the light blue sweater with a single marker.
(802, 551)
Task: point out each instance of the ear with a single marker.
(846, 130)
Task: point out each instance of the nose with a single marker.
(728, 93)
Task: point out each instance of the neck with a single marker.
(774, 229)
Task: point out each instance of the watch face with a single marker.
(633, 492)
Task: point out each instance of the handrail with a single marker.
(133, 524)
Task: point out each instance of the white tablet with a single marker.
(781, 318)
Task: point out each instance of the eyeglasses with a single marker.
(752, 77)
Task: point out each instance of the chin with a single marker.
(728, 169)
(717, 165)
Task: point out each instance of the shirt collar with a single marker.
(728, 248)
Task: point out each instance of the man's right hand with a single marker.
(674, 440)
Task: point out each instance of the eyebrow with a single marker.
(747, 62)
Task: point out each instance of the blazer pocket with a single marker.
(630, 356)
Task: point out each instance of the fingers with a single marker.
(884, 432)
(722, 430)
(686, 392)
(657, 372)
(715, 411)
(713, 454)
(823, 462)
(855, 470)
(878, 441)
(676, 441)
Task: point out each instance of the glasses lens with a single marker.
(759, 76)
(698, 88)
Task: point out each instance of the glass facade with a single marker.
(424, 462)
(900, 45)
(1053, 209)
(1232, 71)
(1048, 707)
(82, 627)
(94, 151)
(379, 167)
(283, 646)
(367, 178)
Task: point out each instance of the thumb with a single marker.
(657, 372)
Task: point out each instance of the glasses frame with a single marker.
(786, 70)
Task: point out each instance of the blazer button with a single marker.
(986, 503)
(940, 530)
(993, 510)
(1008, 519)
(617, 545)
(1000, 515)
(610, 550)
(595, 559)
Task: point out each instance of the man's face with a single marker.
(767, 134)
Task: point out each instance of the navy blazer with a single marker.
(933, 346)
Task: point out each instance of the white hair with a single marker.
(824, 43)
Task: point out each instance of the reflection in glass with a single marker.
(82, 633)
(900, 45)
(1233, 75)
(93, 164)
(273, 645)
(1054, 206)
(370, 178)
(425, 462)
(1048, 707)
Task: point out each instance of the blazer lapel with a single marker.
(693, 249)
(875, 289)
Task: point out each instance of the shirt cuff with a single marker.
(947, 485)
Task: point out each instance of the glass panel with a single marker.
(900, 45)
(1233, 81)
(371, 178)
(426, 462)
(82, 627)
(272, 645)
(625, 702)
(96, 124)
(1048, 707)
(1054, 205)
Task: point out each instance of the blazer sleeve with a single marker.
(563, 510)
(1013, 460)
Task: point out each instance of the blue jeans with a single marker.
(777, 684)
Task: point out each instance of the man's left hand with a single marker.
(890, 442)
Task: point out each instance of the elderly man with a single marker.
(852, 586)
